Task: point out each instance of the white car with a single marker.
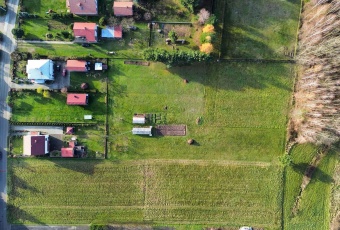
(246, 228)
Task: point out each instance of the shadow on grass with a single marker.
(235, 76)
(18, 216)
(312, 172)
(85, 166)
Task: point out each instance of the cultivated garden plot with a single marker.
(242, 108)
(264, 29)
(80, 192)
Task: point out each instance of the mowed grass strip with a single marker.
(242, 108)
(33, 107)
(262, 29)
(313, 211)
(80, 192)
(40, 7)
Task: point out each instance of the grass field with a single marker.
(243, 110)
(314, 207)
(258, 29)
(33, 107)
(152, 192)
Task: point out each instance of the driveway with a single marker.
(22, 130)
(7, 46)
(59, 81)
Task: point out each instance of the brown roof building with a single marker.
(122, 8)
(77, 99)
(76, 66)
(82, 7)
(36, 145)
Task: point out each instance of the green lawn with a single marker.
(258, 29)
(314, 207)
(243, 109)
(33, 107)
(40, 7)
(153, 192)
(16, 144)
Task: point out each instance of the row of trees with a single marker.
(175, 58)
(316, 117)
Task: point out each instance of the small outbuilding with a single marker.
(138, 119)
(77, 99)
(67, 152)
(142, 131)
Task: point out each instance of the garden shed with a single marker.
(142, 131)
(138, 119)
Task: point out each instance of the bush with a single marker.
(203, 16)
(49, 35)
(207, 37)
(102, 21)
(173, 36)
(46, 94)
(18, 33)
(174, 58)
(39, 90)
(65, 34)
(207, 48)
(212, 20)
(209, 29)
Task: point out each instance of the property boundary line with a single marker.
(292, 61)
(298, 29)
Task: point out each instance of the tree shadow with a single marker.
(235, 76)
(310, 171)
(18, 216)
(22, 184)
(85, 166)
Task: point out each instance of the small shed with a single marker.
(88, 117)
(99, 66)
(142, 131)
(138, 119)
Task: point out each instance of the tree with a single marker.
(190, 4)
(47, 94)
(39, 90)
(113, 21)
(209, 29)
(126, 23)
(18, 33)
(173, 36)
(203, 16)
(206, 48)
(102, 21)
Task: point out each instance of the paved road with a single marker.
(7, 23)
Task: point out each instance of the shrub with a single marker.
(49, 35)
(173, 36)
(18, 33)
(46, 94)
(190, 4)
(206, 48)
(65, 34)
(212, 20)
(39, 90)
(208, 29)
(147, 16)
(102, 21)
(207, 37)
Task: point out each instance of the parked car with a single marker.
(64, 72)
(85, 45)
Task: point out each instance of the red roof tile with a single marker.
(85, 29)
(76, 65)
(77, 99)
(67, 152)
(122, 8)
(118, 31)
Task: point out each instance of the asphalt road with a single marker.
(7, 46)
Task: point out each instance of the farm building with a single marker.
(82, 7)
(138, 119)
(76, 66)
(77, 99)
(36, 145)
(122, 8)
(142, 131)
(40, 71)
(112, 32)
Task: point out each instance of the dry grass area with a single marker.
(316, 114)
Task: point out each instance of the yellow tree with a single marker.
(208, 29)
(206, 48)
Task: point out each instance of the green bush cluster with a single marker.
(174, 58)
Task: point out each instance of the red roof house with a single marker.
(122, 8)
(77, 99)
(67, 152)
(82, 7)
(118, 31)
(76, 66)
(85, 30)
